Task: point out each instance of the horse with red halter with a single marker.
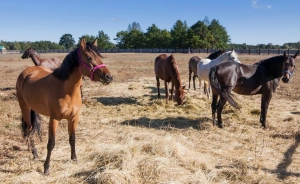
(193, 62)
(166, 68)
(57, 94)
(51, 63)
(261, 78)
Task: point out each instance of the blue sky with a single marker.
(246, 21)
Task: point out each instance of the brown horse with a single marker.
(193, 62)
(51, 63)
(57, 94)
(166, 68)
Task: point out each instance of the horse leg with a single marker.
(207, 89)
(71, 130)
(221, 104)
(172, 90)
(27, 125)
(265, 100)
(167, 91)
(51, 143)
(157, 84)
(194, 78)
(214, 107)
(190, 76)
(200, 86)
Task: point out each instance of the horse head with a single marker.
(232, 56)
(91, 64)
(180, 95)
(288, 67)
(27, 53)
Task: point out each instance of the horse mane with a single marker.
(215, 54)
(177, 75)
(70, 62)
(267, 61)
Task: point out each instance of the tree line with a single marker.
(203, 34)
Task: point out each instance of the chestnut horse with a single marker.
(57, 94)
(261, 78)
(51, 63)
(166, 68)
(193, 67)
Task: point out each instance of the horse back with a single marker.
(193, 62)
(161, 66)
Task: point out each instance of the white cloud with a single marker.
(257, 5)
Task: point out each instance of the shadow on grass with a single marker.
(116, 100)
(169, 123)
(281, 169)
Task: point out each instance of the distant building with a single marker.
(2, 50)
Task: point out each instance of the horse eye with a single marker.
(90, 59)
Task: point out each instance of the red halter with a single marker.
(92, 69)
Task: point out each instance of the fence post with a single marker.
(258, 51)
(278, 51)
(249, 51)
(288, 51)
(268, 51)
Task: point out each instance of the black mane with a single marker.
(215, 54)
(71, 61)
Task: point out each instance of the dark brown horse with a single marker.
(57, 94)
(261, 78)
(193, 62)
(166, 68)
(51, 63)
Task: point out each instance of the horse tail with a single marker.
(217, 87)
(35, 123)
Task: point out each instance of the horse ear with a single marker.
(284, 54)
(95, 43)
(82, 43)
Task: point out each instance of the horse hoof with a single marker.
(46, 172)
(220, 125)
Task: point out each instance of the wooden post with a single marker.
(249, 52)
(288, 51)
(258, 51)
(207, 50)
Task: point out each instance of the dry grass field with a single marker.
(127, 135)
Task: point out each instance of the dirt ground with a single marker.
(127, 135)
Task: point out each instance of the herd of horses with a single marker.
(221, 71)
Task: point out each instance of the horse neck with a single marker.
(221, 59)
(37, 60)
(273, 66)
(73, 83)
(175, 76)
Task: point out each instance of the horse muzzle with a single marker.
(107, 79)
(285, 79)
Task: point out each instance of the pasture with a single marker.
(126, 135)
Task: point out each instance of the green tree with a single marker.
(179, 34)
(88, 38)
(153, 37)
(220, 34)
(67, 41)
(197, 35)
(134, 26)
(103, 41)
(121, 39)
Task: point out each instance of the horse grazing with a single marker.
(57, 94)
(204, 66)
(51, 63)
(166, 68)
(261, 78)
(193, 66)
